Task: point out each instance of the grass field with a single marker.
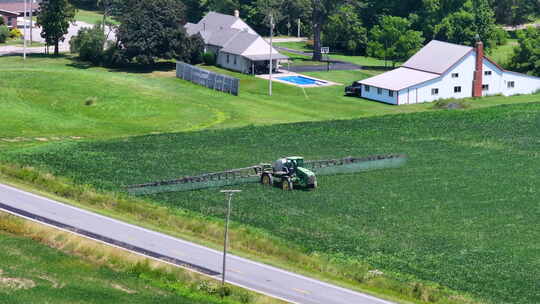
(34, 273)
(461, 212)
(91, 16)
(503, 53)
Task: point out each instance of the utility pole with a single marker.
(299, 24)
(31, 21)
(24, 36)
(228, 195)
(271, 48)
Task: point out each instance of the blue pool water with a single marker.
(300, 80)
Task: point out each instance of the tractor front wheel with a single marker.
(266, 179)
(314, 185)
(286, 184)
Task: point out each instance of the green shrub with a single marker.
(4, 33)
(89, 43)
(451, 104)
(209, 58)
(2, 22)
(15, 33)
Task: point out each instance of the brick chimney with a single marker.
(237, 13)
(479, 72)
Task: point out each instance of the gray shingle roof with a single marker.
(437, 57)
(222, 37)
(241, 42)
(399, 79)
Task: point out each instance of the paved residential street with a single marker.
(242, 272)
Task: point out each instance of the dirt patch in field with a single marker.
(15, 283)
(53, 281)
(124, 289)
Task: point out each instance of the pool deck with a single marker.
(280, 74)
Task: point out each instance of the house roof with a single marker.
(399, 79)
(17, 6)
(437, 57)
(221, 37)
(265, 57)
(4, 12)
(241, 42)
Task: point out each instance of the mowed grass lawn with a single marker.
(463, 212)
(54, 99)
(34, 273)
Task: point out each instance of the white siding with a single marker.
(523, 84)
(421, 93)
(383, 97)
(242, 65)
(495, 80)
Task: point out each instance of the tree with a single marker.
(153, 29)
(394, 39)
(526, 56)
(320, 10)
(474, 20)
(4, 33)
(89, 44)
(344, 31)
(54, 17)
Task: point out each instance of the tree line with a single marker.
(391, 29)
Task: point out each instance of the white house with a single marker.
(237, 46)
(443, 70)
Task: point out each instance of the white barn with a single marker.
(442, 70)
(236, 45)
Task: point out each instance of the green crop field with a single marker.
(34, 273)
(461, 213)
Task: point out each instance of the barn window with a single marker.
(485, 87)
(228, 59)
(455, 75)
(390, 93)
(457, 89)
(511, 84)
(487, 73)
(366, 88)
(379, 91)
(234, 59)
(434, 91)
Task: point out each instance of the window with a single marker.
(511, 84)
(366, 88)
(379, 91)
(455, 75)
(434, 91)
(10, 21)
(485, 87)
(228, 59)
(235, 59)
(390, 93)
(457, 89)
(487, 73)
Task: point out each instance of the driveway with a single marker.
(36, 36)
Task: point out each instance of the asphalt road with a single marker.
(242, 272)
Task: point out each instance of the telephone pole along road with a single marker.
(262, 278)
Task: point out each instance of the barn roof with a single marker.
(399, 79)
(437, 57)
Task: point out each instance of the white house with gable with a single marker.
(442, 70)
(236, 45)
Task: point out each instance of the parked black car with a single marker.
(354, 90)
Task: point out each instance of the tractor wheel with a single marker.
(286, 184)
(266, 179)
(314, 185)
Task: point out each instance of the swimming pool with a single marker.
(301, 80)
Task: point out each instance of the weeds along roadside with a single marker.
(158, 274)
(248, 242)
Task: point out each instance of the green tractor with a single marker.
(289, 173)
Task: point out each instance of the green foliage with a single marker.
(394, 39)
(432, 219)
(209, 58)
(89, 43)
(55, 17)
(474, 20)
(2, 21)
(514, 12)
(344, 31)
(526, 56)
(4, 33)
(148, 32)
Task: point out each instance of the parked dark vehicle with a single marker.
(354, 90)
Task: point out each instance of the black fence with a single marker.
(208, 79)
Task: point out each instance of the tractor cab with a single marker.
(288, 165)
(289, 172)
